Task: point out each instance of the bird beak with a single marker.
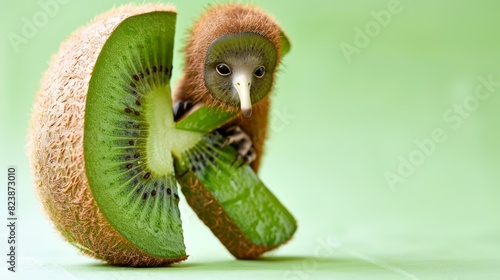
(242, 82)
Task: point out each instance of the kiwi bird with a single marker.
(231, 56)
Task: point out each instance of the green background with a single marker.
(339, 124)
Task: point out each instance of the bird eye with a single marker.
(259, 73)
(223, 69)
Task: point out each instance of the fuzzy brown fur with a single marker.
(56, 145)
(218, 21)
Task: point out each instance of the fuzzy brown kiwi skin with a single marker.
(56, 145)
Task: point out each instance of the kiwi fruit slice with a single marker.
(101, 139)
(106, 153)
(231, 200)
(126, 140)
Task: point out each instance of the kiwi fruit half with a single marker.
(100, 143)
(106, 153)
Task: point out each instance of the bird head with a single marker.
(239, 69)
(232, 54)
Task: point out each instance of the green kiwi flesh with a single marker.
(205, 119)
(129, 135)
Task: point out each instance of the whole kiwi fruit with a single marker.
(107, 156)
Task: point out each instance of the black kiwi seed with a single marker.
(133, 85)
(131, 142)
(133, 92)
(142, 75)
(154, 69)
(128, 110)
(130, 165)
(161, 68)
(193, 168)
(137, 103)
(137, 113)
(147, 71)
(147, 175)
(136, 77)
(176, 196)
(137, 155)
(169, 191)
(145, 196)
(166, 71)
(153, 192)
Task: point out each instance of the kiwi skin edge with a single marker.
(56, 145)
